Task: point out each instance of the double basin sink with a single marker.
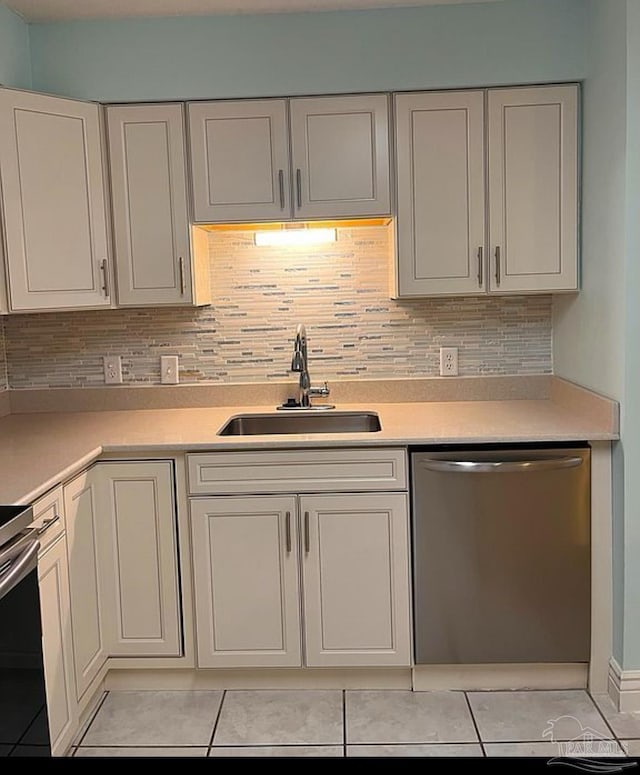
(299, 422)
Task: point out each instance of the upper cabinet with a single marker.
(340, 156)
(53, 202)
(533, 185)
(239, 160)
(528, 197)
(242, 169)
(441, 193)
(149, 200)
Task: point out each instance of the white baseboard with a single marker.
(624, 688)
(265, 678)
(514, 676)
(421, 678)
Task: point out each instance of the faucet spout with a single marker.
(300, 365)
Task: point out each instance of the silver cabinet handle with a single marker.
(281, 187)
(480, 266)
(499, 466)
(104, 268)
(287, 529)
(299, 187)
(498, 265)
(47, 524)
(182, 285)
(306, 532)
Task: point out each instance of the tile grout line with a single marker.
(607, 724)
(215, 723)
(92, 718)
(344, 723)
(475, 724)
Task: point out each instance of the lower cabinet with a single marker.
(245, 559)
(123, 566)
(57, 642)
(330, 572)
(137, 554)
(355, 576)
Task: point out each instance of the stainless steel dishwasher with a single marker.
(501, 555)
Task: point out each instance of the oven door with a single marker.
(24, 726)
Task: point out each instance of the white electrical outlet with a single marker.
(448, 361)
(169, 369)
(112, 369)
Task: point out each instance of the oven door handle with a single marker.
(19, 568)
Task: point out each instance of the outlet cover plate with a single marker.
(112, 369)
(448, 361)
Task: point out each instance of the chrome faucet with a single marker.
(300, 363)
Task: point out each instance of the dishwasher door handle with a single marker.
(499, 466)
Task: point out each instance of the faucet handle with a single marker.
(320, 391)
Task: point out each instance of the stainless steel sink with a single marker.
(267, 424)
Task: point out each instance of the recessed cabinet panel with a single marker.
(356, 579)
(40, 174)
(231, 174)
(152, 234)
(240, 160)
(245, 557)
(81, 510)
(149, 192)
(533, 179)
(440, 158)
(340, 154)
(53, 575)
(53, 195)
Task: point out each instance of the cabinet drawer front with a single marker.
(299, 471)
(48, 517)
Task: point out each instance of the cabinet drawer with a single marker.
(346, 470)
(48, 517)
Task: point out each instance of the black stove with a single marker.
(24, 724)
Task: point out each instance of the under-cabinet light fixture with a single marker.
(295, 237)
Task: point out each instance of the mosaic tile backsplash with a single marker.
(340, 291)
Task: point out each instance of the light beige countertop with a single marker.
(41, 449)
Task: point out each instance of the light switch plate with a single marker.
(169, 369)
(112, 369)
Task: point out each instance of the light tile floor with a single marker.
(328, 723)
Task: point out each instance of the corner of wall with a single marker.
(15, 50)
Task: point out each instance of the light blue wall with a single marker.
(514, 41)
(631, 407)
(597, 334)
(15, 61)
(589, 327)
(589, 330)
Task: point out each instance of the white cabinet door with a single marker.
(441, 193)
(245, 558)
(340, 156)
(533, 182)
(53, 196)
(239, 160)
(55, 606)
(355, 564)
(149, 196)
(81, 511)
(138, 559)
